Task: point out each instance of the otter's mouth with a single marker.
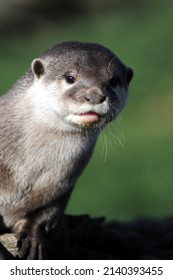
(89, 117)
(86, 118)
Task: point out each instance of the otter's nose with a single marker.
(94, 96)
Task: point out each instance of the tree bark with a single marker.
(82, 237)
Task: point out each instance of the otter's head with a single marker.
(79, 86)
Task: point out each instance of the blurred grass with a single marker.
(136, 179)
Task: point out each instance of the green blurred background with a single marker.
(130, 174)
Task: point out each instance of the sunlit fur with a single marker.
(44, 142)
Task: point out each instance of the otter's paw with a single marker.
(31, 248)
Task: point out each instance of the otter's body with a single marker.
(39, 166)
(49, 124)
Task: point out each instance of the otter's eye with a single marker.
(114, 82)
(70, 79)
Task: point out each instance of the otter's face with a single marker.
(85, 86)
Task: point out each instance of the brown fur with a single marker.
(44, 142)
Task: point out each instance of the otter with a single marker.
(49, 124)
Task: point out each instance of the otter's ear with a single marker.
(38, 67)
(129, 75)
